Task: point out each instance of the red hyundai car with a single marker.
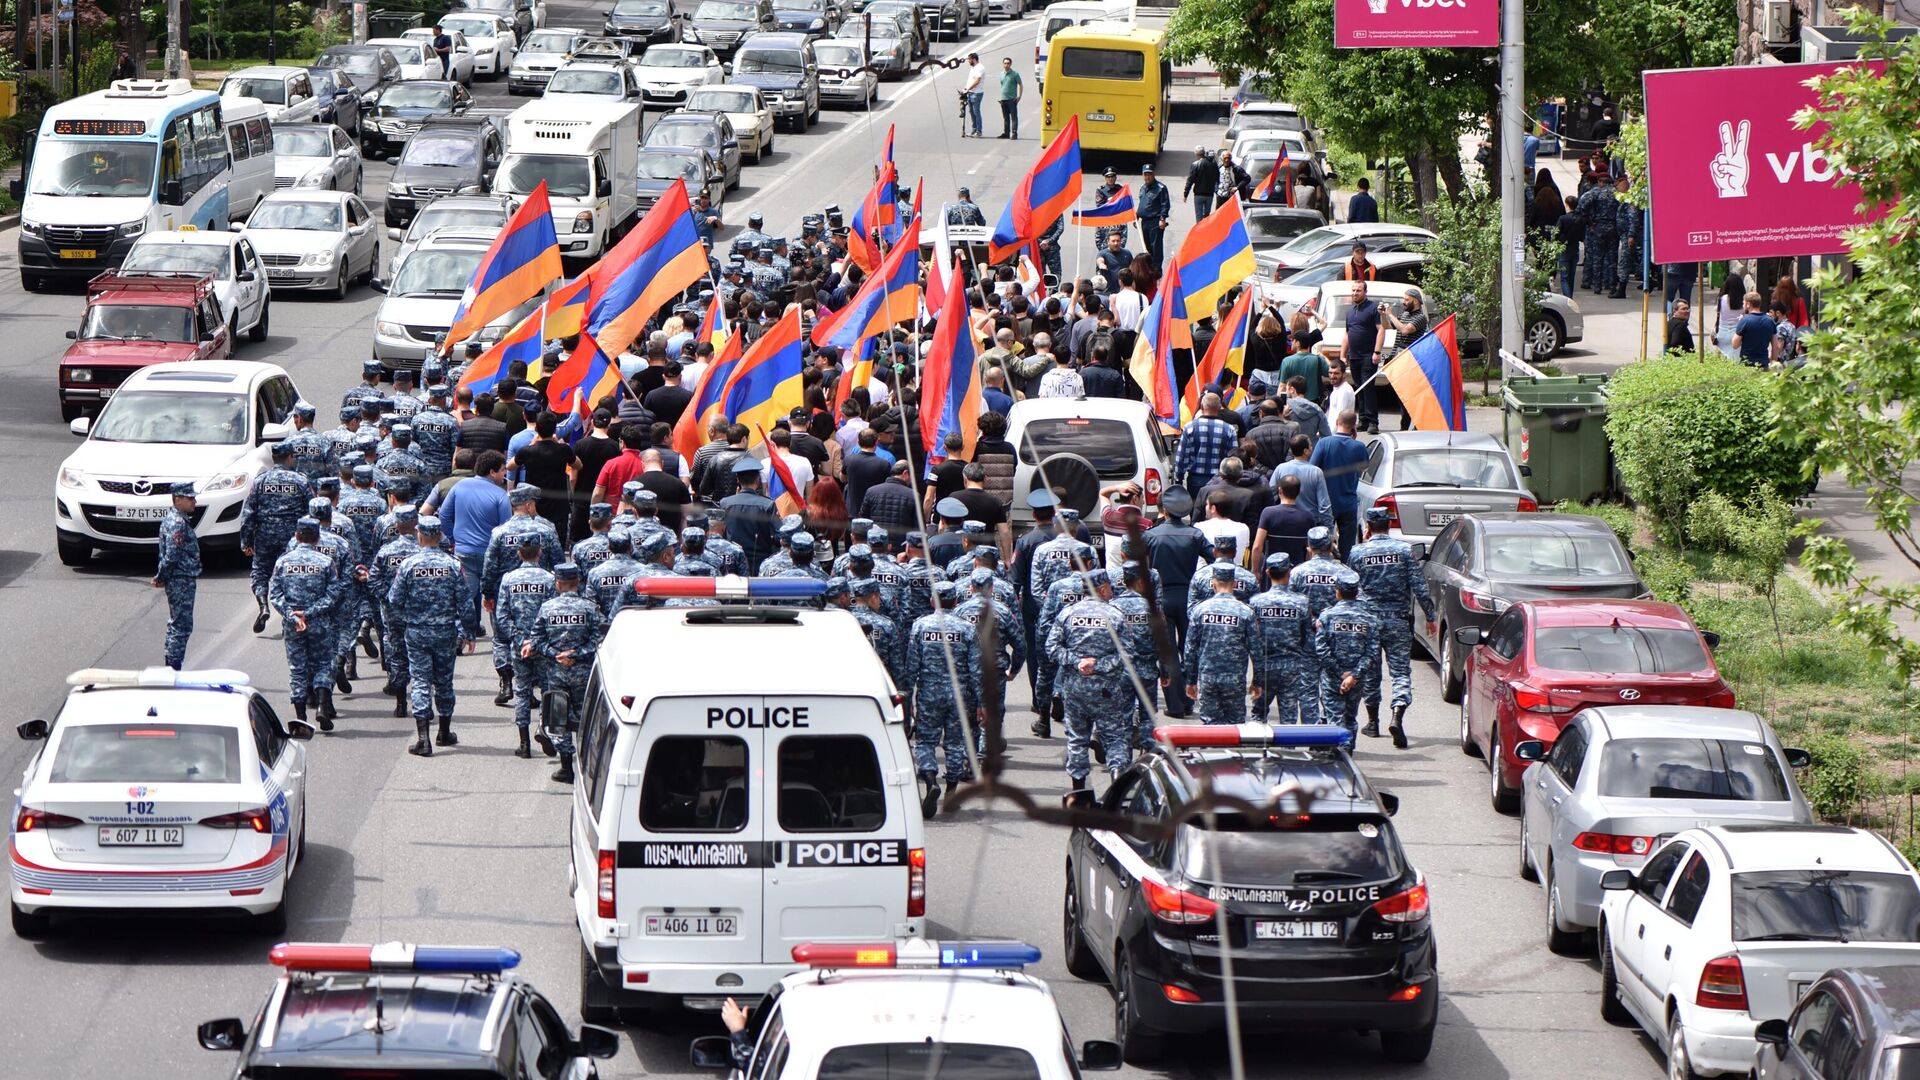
(1544, 660)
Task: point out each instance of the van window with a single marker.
(1080, 62)
(597, 739)
(830, 783)
(259, 136)
(237, 141)
(695, 783)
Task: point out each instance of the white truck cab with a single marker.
(588, 153)
(745, 786)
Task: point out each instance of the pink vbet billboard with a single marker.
(1731, 176)
(1392, 24)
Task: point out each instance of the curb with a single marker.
(8, 221)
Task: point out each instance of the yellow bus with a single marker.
(1115, 78)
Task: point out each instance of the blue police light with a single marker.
(394, 956)
(988, 954)
(1310, 735)
(461, 959)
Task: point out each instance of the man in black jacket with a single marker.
(1203, 177)
(1174, 549)
(1101, 378)
(865, 470)
(891, 505)
(751, 516)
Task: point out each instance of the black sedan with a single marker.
(398, 112)
(652, 21)
(339, 99)
(1478, 566)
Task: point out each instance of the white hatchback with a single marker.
(155, 790)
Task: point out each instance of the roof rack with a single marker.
(116, 281)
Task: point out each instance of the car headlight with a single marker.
(227, 481)
(72, 478)
(80, 374)
(31, 228)
(133, 228)
(396, 191)
(389, 329)
(818, 24)
(317, 258)
(314, 179)
(471, 189)
(583, 221)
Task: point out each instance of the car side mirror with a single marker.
(208, 342)
(244, 275)
(173, 193)
(1617, 880)
(1526, 470)
(224, 1034)
(712, 1052)
(1419, 551)
(1389, 802)
(1099, 1055)
(1772, 1032)
(73, 335)
(731, 144)
(299, 730)
(1467, 636)
(1530, 750)
(80, 425)
(378, 285)
(275, 432)
(726, 67)
(33, 730)
(597, 1042)
(1712, 639)
(393, 235)
(236, 226)
(1796, 758)
(605, 187)
(1078, 799)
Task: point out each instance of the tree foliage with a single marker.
(1855, 396)
(1462, 269)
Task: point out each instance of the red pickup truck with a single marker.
(133, 321)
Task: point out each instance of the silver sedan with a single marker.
(1621, 779)
(315, 240)
(320, 156)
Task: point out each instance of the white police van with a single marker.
(745, 786)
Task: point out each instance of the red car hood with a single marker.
(128, 353)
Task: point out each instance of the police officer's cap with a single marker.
(328, 484)
(1346, 584)
(402, 432)
(405, 513)
(307, 524)
(1279, 561)
(864, 587)
(1110, 172)
(980, 579)
(371, 407)
(348, 412)
(403, 375)
(802, 541)
(916, 539)
(755, 220)
(283, 448)
(1098, 577)
(474, 349)
(646, 500)
(620, 540)
(366, 441)
(523, 494)
(878, 538)
(860, 526)
(693, 537)
(372, 367)
(402, 487)
(746, 465)
(1130, 571)
(791, 524)
(1225, 543)
(567, 571)
(529, 542)
(837, 588)
(438, 389)
(697, 521)
(1223, 571)
(303, 410)
(946, 591)
(1069, 515)
(1378, 515)
(600, 512)
(629, 489)
(1320, 538)
(1040, 498)
(1083, 552)
(1177, 500)
(319, 508)
(655, 542)
(182, 489)
(973, 528)
(860, 553)
(987, 553)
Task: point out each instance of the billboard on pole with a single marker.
(1729, 173)
(1393, 24)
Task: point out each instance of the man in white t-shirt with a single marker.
(976, 76)
(1218, 525)
(1129, 307)
(780, 440)
(1342, 397)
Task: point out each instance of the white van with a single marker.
(588, 152)
(250, 144)
(1058, 17)
(287, 92)
(745, 786)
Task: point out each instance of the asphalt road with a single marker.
(469, 847)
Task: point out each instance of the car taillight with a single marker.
(1177, 906)
(1405, 907)
(1482, 603)
(31, 819)
(1391, 504)
(603, 886)
(1153, 487)
(1720, 699)
(1533, 700)
(256, 819)
(1527, 505)
(1722, 985)
(916, 882)
(1612, 844)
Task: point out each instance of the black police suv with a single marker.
(1314, 901)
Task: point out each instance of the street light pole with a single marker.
(1513, 233)
(273, 56)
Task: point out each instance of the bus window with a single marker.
(1081, 62)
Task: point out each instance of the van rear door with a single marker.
(688, 877)
(836, 825)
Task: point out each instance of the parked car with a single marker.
(667, 72)
(287, 92)
(1261, 115)
(1426, 479)
(316, 156)
(452, 212)
(370, 68)
(1480, 565)
(891, 41)
(711, 132)
(720, 24)
(919, 31)
(657, 169)
(1621, 777)
(339, 98)
(1271, 227)
(784, 68)
(610, 49)
(1334, 241)
(744, 108)
(491, 37)
(135, 321)
(607, 81)
(1557, 320)
(814, 18)
(449, 155)
(229, 261)
(1082, 445)
(525, 16)
(1853, 1024)
(462, 58)
(538, 56)
(402, 109)
(1726, 928)
(417, 58)
(315, 240)
(655, 22)
(421, 298)
(845, 74)
(950, 20)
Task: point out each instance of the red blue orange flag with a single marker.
(950, 382)
(766, 385)
(1115, 211)
(857, 374)
(1282, 169)
(1163, 329)
(878, 210)
(522, 343)
(523, 261)
(1225, 360)
(691, 430)
(1426, 375)
(780, 486)
(713, 325)
(587, 372)
(649, 267)
(565, 314)
(1215, 256)
(1049, 190)
(887, 153)
(886, 298)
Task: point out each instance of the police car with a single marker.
(158, 789)
(745, 787)
(909, 1009)
(406, 1010)
(1323, 918)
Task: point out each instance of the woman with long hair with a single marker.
(1543, 217)
(1146, 276)
(1788, 292)
(1733, 295)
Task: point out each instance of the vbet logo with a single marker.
(1730, 172)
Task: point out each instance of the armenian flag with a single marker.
(649, 267)
(1215, 256)
(713, 325)
(1050, 188)
(564, 313)
(691, 430)
(524, 259)
(1225, 360)
(1115, 211)
(885, 299)
(583, 378)
(857, 374)
(780, 485)
(950, 382)
(1426, 375)
(766, 385)
(1163, 329)
(522, 343)
(878, 210)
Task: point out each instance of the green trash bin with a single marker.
(1557, 427)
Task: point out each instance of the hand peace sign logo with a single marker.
(1729, 166)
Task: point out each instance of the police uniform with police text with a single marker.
(428, 595)
(1009, 638)
(522, 592)
(304, 581)
(1099, 702)
(1289, 671)
(1347, 640)
(177, 570)
(277, 499)
(1146, 660)
(572, 625)
(942, 657)
(1390, 582)
(380, 574)
(1223, 645)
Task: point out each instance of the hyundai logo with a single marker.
(1297, 905)
(143, 486)
(1629, 694)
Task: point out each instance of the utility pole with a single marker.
(273, 56)
(1513, 232)
(176, 39)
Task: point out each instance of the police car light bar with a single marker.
(394, 957)
(161, 678)
(731, 587)
(913, 953)
(1182, 735)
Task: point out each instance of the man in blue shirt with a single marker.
(1341, 457)
(1361, 208)
(994, 393)
(1753, 334)
(1362, 353)
(468, 514)
(443, 48)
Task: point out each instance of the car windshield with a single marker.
(448, 149)
(693, 135)
(928, 1061)
(193, 260)
(436, 273)
(1451, 467)
(1274, 228)
(585, 81)
(1535, 553)
(470, 25)
(1825, 905)
(417, 96)
(147, 416)
(569, 176)
(815, 6)
(323, 80)
(406, 50)
(357, 61)
(1733, 769)
(724, 9)
(438, 216)
(1310, 242)
(1322, 849)
(669, 167)
(842, 56)
(640, 7)
(137, 322)
(1619, 648)
(93, 167)
(769, 60)
(674, 58)
(736, 101)
(1106, 444)
(272, 91)
(302, 215)
(1257, 121)
(302, 142)
(548, 43)
(162, 753)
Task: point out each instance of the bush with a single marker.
(1668, 577)
(1837, 778)
(1618, 518)
(1683, 426)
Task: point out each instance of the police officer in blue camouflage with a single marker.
(363, 507)
(1010, 640)
(691, 561)
(1315, 578)
(1062, 594)
(646, 512)
(857, 530)
(313, 455)
(916, 599)
(427, 594)
(393, 629)
(1390, 582)
(802, 547)
(371, 372)
(987, 557)
(177, 569)
(1346, 641)
(436, 434)
(654, 552)
(607, 585)
(1289, 673)
(499, 558)
(781, 560)
(276, 501)
(1245, 584)
(942, 674)
(336, 539)
(400, 462)
(972, 535)
(1223, 646)
(726, 556)
(302, 589)
(523, 590)
(882, 633)
(1086, 643)
(341, 438)
(567, 631)
(405, 402)
(1136, 603)
(591, 550)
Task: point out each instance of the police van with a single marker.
(745, 786)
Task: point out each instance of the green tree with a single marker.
(1855, 397)
(1462, 271)
(1651, 34)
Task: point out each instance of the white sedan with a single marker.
(744, 107)
(489, 36)
(667, 73)
(416, 57)
(238, 282)
(315, 240)
(158, 789)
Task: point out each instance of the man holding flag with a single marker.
(523, 261)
